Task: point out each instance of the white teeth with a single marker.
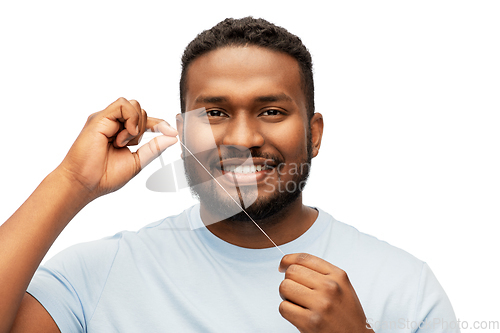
(245, 168)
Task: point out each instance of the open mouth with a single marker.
(244, 169)
(245, 166)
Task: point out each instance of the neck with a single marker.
(283, 227)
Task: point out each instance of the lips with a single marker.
(244, 166)
(244, 169)
(246, 172)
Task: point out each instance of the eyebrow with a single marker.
(260, 99)
(210, 99)
(274, 98)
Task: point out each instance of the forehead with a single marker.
(242, 73)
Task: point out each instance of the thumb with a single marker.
(157, 145)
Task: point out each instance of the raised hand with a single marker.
(100, 159)
(98, 162)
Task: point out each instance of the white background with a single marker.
(409, 92)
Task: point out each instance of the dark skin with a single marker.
(234, 85)
(242, 117)
(318, 296)
(98, 163)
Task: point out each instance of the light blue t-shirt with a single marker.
(176, 276)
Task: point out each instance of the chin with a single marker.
(264, 210)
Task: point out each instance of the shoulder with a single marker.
(354, 247)
(99, 255)
(70, 284)
(390, 282)
(376, 268)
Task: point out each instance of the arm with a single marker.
(318, 297)
(98, 163)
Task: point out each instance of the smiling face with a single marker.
(254, 104)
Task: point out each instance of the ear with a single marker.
(179, 119)
(316, 125)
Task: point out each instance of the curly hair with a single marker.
(251, 31)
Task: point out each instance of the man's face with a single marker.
(255, 104)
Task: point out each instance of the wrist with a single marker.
(73, 189)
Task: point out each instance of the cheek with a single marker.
(289, 139)
(199, 138)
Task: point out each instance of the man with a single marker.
(252, 82)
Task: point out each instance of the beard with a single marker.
(262, 208)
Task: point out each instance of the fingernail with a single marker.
(170, 126)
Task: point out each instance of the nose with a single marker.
(243, 132)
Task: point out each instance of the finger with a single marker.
(142, 128)
(295, 314)
(317, 264)
(297, 293)
(127, 137)
(154, 148)
(305, 276)
(135, 104)
(124, 111)
(153, 125)
(142, 119)
(118, 122)
(160, 126)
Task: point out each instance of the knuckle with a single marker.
(325, 305)
(153, 148)
(135, 103)
(284, 285)
(314, 322)
(92, 116)
(282, 308)
(137, 160)
(301, 257)
(291, 271)
(343, 276)
(331, 286)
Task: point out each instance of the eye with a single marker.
(271, 112)
(215, 113)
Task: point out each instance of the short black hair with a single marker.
(251, 31)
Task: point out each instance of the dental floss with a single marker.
(236, 202)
